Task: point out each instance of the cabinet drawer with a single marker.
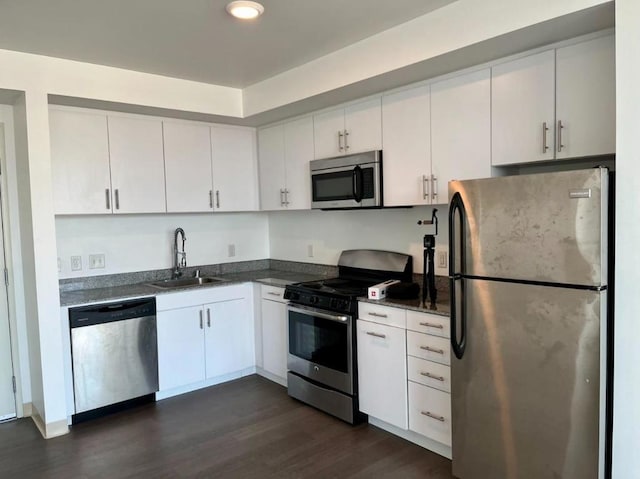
(430, 413)
(429, 373)
(273, 293)
(382, 314)
(428, 347)
(428, 323)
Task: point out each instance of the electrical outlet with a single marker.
(76, 263)
(310, 251)
(443, 259)
(96, 261)
(232, 250)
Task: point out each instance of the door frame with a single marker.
(11, 238)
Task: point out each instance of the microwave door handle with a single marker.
(455, 276)
(358, 192)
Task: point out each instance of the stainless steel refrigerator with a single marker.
(528, 272)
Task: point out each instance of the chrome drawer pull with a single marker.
(432, 325)
(378, 315)
(432, 416)
(271, 293)
(432, 350)
(377, 335)
(201, 322)
(432, 376)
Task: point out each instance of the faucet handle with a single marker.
(197, 274)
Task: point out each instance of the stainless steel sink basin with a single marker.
(182, 282)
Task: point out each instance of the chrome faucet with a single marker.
(179, 257)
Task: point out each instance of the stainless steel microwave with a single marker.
(353, 181)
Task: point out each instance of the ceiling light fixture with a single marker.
(245, 10)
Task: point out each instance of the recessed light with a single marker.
(245, 10)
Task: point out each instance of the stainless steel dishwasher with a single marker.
(114, 355)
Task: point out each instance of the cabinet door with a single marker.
(180, 347)
(585, 99)
(460, 131)
(274, 337)
(363, 124)
(406, 139)
(229, 337)
(523, 103)
(298, 152)
(235, 175)
(328, 133)
(382, 372)
(187, 162)
(137, 165)
(271, 167)
(80, 162)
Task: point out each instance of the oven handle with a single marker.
(318, 313)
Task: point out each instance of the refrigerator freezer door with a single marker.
(548, 227)
(526, 394)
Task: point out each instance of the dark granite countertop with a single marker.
(442, 306)
(270, 277)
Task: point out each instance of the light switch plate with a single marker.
(232, 250)
(96, 261)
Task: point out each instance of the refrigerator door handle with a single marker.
(455, 276)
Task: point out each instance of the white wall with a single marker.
(626, 428)
(145, 242)
(330, 232)
(457, 25)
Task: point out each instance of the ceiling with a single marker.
(197, 39)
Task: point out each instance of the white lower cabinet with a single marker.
(203, 335)
(274, 332)
(382, 372)
(404, 378)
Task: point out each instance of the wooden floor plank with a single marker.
(247, 428)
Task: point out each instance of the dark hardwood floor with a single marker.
(247, 428)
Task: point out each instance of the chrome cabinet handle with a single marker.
(346, 140)
(208, 318)
(378, 315)
(201, 322)
(210, 199)
(432, 376)
(560, 127)
(432, 350)
(286, 197)
(434, 187)
(425, 187)
(340, 147)
(377, 335)
(217, 198)
(106, 194)
(117, 199)
(432, 325)
(545, 129)
(281, 197)
(432, 416)
(271, 293)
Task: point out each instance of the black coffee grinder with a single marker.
(428, 265)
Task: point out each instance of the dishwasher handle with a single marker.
(110, 312)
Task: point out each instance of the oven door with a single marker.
(346, 187)
(320, 346)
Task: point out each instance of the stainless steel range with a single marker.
(322, 339)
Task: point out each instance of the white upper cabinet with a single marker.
(460, 131)
(284, 153)
(406, 140)
(523, 109)
(235, 185)
(80, 162)
(353, 129)
(187, 160)
(556, 104)
(298, 152)
(585, 99)
(137, 165)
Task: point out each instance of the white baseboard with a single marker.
(167, 393)
(413, 437)
(51, 429)
(272, 377)
(27, 409)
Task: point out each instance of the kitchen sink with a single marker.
(182, 282)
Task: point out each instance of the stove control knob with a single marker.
(292, 295)
(334, 303)
(314, 300)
